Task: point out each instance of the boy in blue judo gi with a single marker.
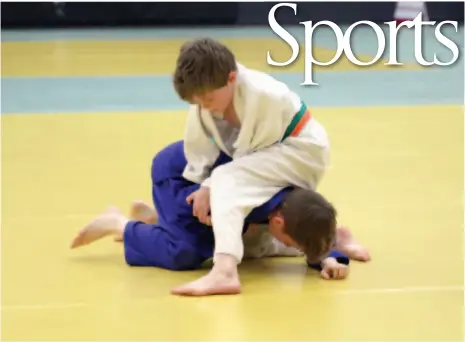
(172, 238)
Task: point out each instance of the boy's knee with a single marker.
(161, 156)
(159, 163)
(155, 161)
(185, 259)
(182, 256)
(168, 158)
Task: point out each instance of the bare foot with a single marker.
(347, 244)
(214, 283)
(111, 221)
(142, 212)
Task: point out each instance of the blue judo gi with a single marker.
(179, 241)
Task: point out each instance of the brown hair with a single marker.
(310, 220)
(202, 65)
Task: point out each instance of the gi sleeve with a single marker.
(201, 153)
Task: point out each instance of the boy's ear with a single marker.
(278, 220)
(232, 76)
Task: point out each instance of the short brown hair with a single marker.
(310, 220)
(203, 64)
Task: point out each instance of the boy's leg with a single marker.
(156, 246)
(142, 212)
(161, 170)
(346, 244)
(144, 244)
(109, 222)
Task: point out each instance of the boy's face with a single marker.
(276, 227)
(217, 100)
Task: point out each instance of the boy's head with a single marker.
(306, 220)
(205, 74)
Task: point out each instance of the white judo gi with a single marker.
(262, 244)
(263, 162)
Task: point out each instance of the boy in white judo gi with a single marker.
(264, 127)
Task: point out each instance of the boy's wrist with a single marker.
(329, 261)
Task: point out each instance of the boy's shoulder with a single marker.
(261, 83)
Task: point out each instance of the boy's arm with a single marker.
(199, 150)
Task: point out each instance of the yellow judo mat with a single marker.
(396, 180)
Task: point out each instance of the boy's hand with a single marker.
(333, 270)
(201, 207)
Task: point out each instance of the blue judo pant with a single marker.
(179, 241)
